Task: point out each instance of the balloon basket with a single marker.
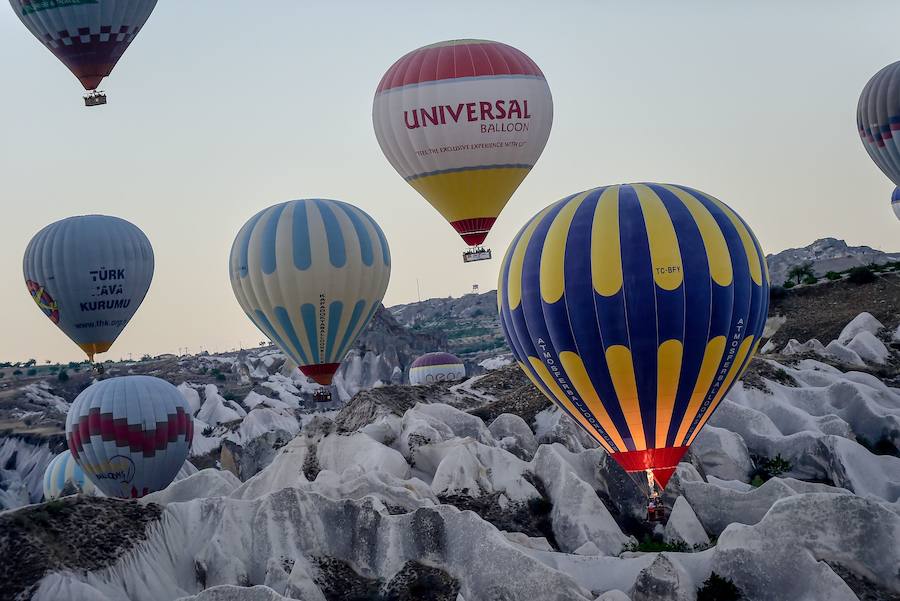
(95, 98)
(322, 395)
(477, 253)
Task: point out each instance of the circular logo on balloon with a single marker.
(120, 468)
(43, 300)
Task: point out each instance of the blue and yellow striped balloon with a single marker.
(635, 308)
(311, 274)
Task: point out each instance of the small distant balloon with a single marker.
(310, 274)
(131, 435)
(463, 122)
(64, 476)
(436, 367)
(89, 275)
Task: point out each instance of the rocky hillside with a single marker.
(826, 254)
(482, 490)
(470, 323)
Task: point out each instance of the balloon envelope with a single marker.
(436, 367)
(311, 274)
(878, 120)
(130, 435)
(635, 308)
(463, 122)
(88, 36)
(89, 275)
(63, 473)
(895, 202)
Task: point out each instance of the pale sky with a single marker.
(223, 107)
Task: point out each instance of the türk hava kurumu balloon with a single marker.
(87, 36)
(89, 275)
(311, 274)
(463, 122)
(635, 308)
(130, 435)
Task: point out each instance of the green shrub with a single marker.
(832, 276)
(788, 284)
(63, 376)
(18, 372)
(656, 545)
(31, 372)
(767, 469)
(220, 377)
(717, 588)
(810, 279)
(861, 275)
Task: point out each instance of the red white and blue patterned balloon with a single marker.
(130, 435)
(88, 36)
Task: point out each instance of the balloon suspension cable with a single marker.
(95, 98)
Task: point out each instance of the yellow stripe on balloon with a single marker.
(712, 356)
(606, 249)
(669, 357)
(753, 259)
(470, 193)
(580, 379)
(517, 259)
(551, 384)
(726, 384)
(713, 240)
(553, 254)
(664, 252)
(621, 371)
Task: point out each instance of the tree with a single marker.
(798, 272)
(861, 275)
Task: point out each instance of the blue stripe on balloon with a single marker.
(60, 471)
(262, 322)
(308, 313)
(581, 320)
(385, 249)
(697, 298)
(284, 320)
(269, 244)
(337, 248)
(736, 304)
(362, 233)
(300, 236)
(351, 325)
(334, 321)
(639, 292)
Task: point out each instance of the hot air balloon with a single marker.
(88, 36)
(436, 367)
(635, 308)
(878, 122)
(311, 274)
(64, 476)
(463, 122)
(89, 275)
(895, 202)
(131, 435)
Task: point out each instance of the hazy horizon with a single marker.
(752, 103)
